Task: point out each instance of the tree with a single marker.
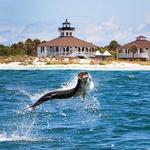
(29, 46)
(113, 45)
(2, 46)
(15, 52)
(17, 49)
(14, 46)
(4, 51)
(133, 49)
(36, 42)
(20, 45)
(43, 42)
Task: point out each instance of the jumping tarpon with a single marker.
(80, 89)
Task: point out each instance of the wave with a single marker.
(13, 137)
(22, 133)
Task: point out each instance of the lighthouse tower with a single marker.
(66, 45)
(66, 29)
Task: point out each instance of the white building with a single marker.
(66, 45)
(138, 49)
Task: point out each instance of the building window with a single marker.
(67, 33)
(67, 49)
(57, 49)
(82, 49)
(79, 49)
(126, 51)
(141, 50)
(70, 33)
(42, 49)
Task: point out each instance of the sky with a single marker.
(97, 21)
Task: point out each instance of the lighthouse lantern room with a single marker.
(66, 29)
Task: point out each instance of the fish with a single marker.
(80, 90)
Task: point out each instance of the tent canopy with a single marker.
(98, 53)
(106, 53)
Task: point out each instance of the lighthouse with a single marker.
(66, 29)
(66, 45)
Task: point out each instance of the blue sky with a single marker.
(98, 21)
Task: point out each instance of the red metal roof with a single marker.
(65, 41)
(138, 43)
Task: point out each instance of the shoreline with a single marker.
(114, 66)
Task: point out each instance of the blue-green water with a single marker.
(115, 114)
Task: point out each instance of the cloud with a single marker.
(102, 33)
(43, 31)
(98, 33)
(11, 32)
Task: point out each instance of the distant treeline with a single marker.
(21, 48)
(29, 47)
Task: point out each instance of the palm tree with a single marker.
(133, 49)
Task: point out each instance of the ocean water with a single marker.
(115, 114)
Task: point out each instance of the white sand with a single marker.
(41, 66)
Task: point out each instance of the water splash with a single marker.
(34, 96)
(131, 76)
(90, 113)
(92, 104)
(70, 83)
(21, 130)
(4, 137)
(91, 83)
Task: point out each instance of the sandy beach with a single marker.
(42, 66)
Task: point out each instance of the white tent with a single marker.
(106, 53)
(98, 53)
